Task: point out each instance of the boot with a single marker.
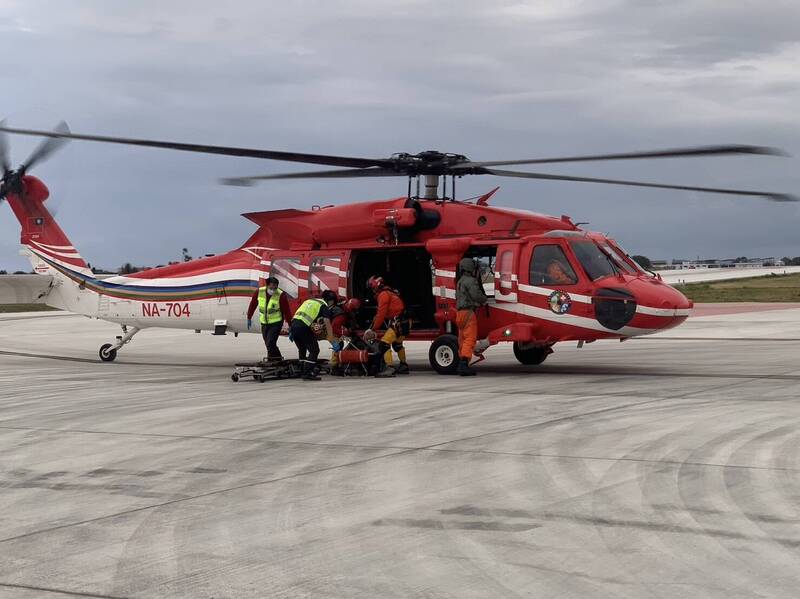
(402, 368)
(464, 369)
(309, 373)
(386, 373)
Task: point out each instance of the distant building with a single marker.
(682, 264)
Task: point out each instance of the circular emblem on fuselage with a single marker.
(560, 302)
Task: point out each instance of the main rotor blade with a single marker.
(208, 149)
(776, 197)
(5, 161)
(57, 138)
(339, 174)
(670, 153)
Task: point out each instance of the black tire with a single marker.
(106, 353)
(532, 356)
(235, 377)
(259, 378)
(443, 354)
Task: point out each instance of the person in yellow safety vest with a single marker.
(300, 331)
(273, 308)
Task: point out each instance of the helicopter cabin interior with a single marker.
(409, 270)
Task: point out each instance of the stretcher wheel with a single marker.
(106, 353)
(259, 378)
(443, 354)
(235, 377)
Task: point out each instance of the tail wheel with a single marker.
(443, 354)
(533, 355)
(107, 353)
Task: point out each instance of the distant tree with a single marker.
(643, 261)
(740, 259)
(128, 268)
(3, 272)
(20, 272)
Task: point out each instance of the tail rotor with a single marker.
(12, 179)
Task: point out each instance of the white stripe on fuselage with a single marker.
(210, 277)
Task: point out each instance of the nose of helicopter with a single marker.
(663, 305)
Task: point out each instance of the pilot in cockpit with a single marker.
(558, 274)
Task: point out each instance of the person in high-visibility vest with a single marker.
(273, 308)
(311, 311)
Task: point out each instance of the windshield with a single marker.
(619, 258)
(620, 250)
(596, 264)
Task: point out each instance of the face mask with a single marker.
(270, 291)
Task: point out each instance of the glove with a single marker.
(249, 323)
(336, 345)
(369, 335)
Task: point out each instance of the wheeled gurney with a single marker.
(271, 370)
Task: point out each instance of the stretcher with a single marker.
(358, 358)
(272, 370)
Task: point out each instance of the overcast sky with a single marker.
(492, 80)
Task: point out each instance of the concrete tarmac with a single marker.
(662, 467)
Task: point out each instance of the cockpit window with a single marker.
(622, 251)
(596, 263)
(549, 266)
(619, 259)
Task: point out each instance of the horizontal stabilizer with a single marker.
(24, 289)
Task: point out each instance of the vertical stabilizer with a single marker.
(48, 248)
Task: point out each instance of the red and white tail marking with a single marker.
(40, 234)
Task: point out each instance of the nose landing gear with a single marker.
(108, 351)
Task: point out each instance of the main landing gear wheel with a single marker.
(531, 356)
(443, 354)
(107, 352)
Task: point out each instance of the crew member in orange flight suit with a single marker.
(469, 297)
(391, 314)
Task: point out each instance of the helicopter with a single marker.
(547, 280)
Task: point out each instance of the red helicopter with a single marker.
(547, 279)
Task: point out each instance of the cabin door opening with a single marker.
(408, 270)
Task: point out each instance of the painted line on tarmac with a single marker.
(65, 358)
(58, 591)
(98, 361)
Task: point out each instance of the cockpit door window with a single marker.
(551, 268)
